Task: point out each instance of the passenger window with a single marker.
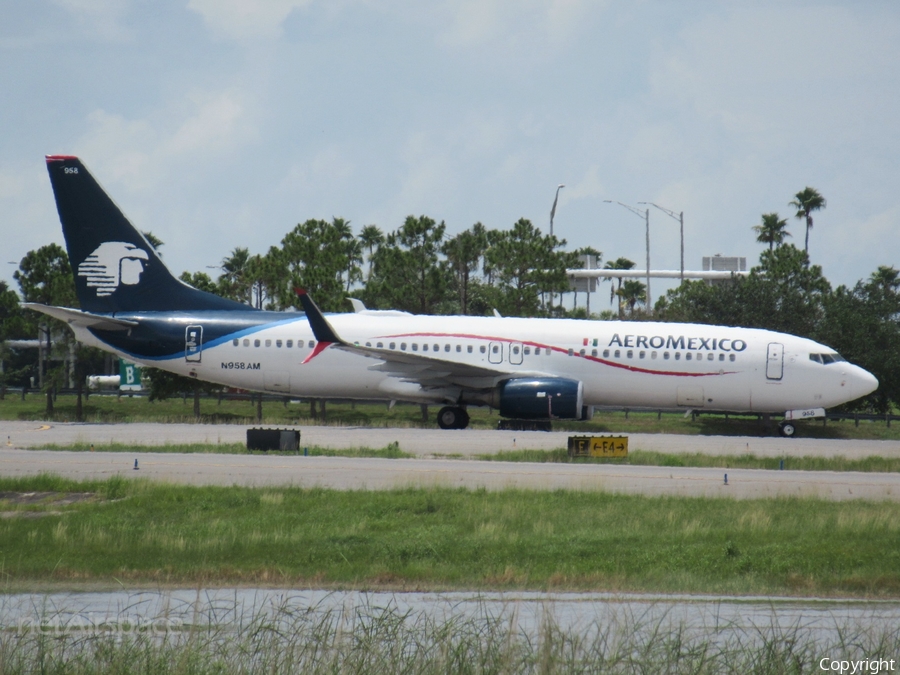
(605, 353)
(710, 357)
(548, 351)
(643, 354)
(630, 354)
(482, 349)
(617, 354)
(278, 343)
(582, 352)
(515, 349)
(379, 345)
(721, 357)
(688, 356)
(665, 356)
(469, 349)
(424, 348)
(312, 343)
(256, 343)
(268, 343)
(593, 352)
(678, 356)
(246, 342)
(415, 346)
(235, 342)
(393, 345)
(403, 346)
(527, 351)
(652, 355)
(458, 348)
(446, 348)
(436, 348)
(731, 357)
(495, 349)
(290, 344)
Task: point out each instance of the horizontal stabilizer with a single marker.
(82, 319)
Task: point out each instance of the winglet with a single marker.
(321, 329)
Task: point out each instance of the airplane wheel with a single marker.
(451, 417)
(787, 429)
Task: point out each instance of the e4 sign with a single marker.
(598, 446)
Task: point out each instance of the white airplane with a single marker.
(531, 370)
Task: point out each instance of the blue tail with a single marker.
(115, 267)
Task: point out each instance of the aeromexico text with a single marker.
(680, 342)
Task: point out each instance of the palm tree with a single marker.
(617, 264)
(371, 237)
(772, 231)
(633, 292)
(235, 281)
(806, 201)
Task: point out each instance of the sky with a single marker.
(218, 124)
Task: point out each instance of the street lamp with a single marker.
(553, 210)
(680, 218)
(645, 214)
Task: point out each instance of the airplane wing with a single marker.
(81, 319)
(427, 371)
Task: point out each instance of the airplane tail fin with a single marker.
(115, 267)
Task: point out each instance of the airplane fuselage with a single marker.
(632, 364)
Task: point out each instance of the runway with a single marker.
(374, 474)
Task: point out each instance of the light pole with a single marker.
(553, 210)
(645, 214)
(680, 218)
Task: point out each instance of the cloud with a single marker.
(246, 19)
(139, 151)
(100, 17)
(512, 23)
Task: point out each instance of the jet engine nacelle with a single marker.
(542, 398)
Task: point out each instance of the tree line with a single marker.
(519, 271)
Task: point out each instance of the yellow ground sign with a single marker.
(598, 446)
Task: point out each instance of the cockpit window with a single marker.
(825, 359)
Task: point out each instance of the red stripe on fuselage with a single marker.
(596, 359)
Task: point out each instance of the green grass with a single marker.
(144, 532)
(139, 409)
(391, 451)
(290, 637)
(747, 461)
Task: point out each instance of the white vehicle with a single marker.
(535, 370)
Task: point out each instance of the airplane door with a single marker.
(515, 353)
(495, 352)
(775, 361)
(193, 343)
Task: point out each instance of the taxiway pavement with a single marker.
(19, 457)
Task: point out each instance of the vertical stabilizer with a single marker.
(115, 267)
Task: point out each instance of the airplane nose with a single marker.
(864, 383)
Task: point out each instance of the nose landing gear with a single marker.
(787, 429)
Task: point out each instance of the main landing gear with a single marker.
(787, 429)
(451, 417)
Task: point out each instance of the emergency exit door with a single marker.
(775, 361)
(193, 343)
